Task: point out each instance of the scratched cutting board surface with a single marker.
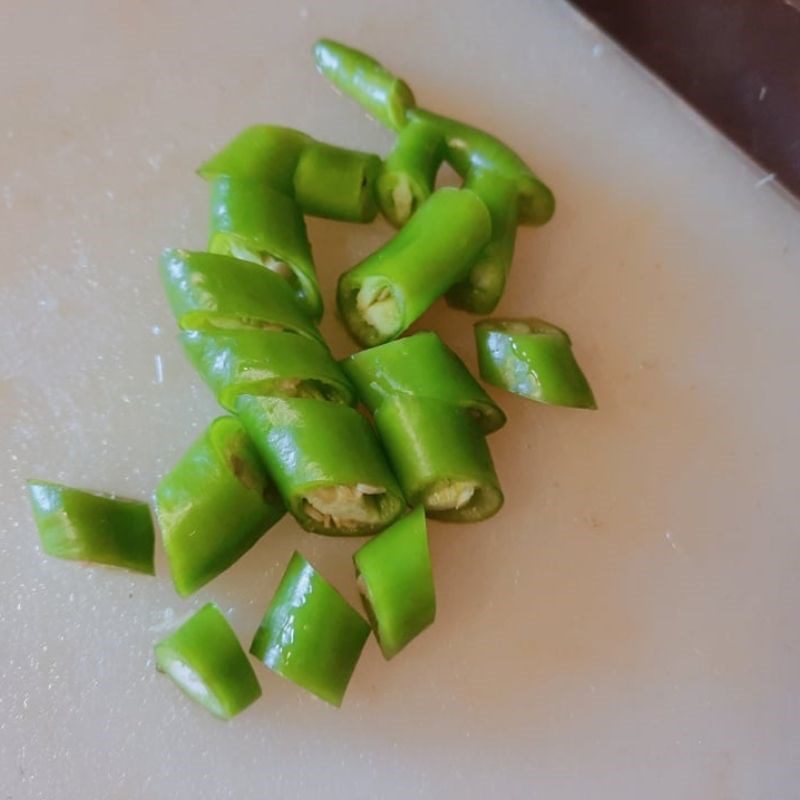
(626, 627)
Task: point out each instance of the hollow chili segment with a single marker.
(408, 175)
(266, 362)
(204, 658)
(394, 576)
(267, 154)
(440, 457)
(534, 359)
(212, 292)
(337, 183)
(469, 149)
(514, 193)
(254, 222)
(79, 525)
(324, 180)
(327, 463)
(384, 96)
(422, 366)
(310, 634)
(380, 297)
(480, 291)
(290, 393)
(214, 505)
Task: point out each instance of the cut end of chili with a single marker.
(310, 634)
(78, 525)
(204, 658)
(394, 576)
(534, 359)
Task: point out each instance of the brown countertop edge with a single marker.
(736, 61)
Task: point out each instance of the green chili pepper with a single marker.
(532, 358)
(265, 362)
(254, 222)
(84, 526)
(440, 458)
(337, 183)
(481, 290)
(380, 297)
(423, 366)
(394, 575)
(326, 462)
(242, 352)
(324, 180)
(266, 154)
(208, 664)
(381, 94)
(408, 176)
(211, 292)
(513, 193)
(214, 505)
(469, 149)
(310, 634)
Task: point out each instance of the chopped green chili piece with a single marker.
(380, 297)
(208, 664)
(214, 505)
(337, 183)
(210, 292)
(440, 457)
(267, 154)
(383, 96)
(310, 634)
(287, 388)
(532, 358)
(85, 526)
(469, 149)
(483, 287)
(394, 575)
(326, 462)
(408, 175)
(266, 362)
(421, 365)
(513, 193)
(324, 180)
(254, 222)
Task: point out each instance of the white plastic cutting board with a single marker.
(626, 628)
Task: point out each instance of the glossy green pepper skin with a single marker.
(85, 526)
(211, 292)
(390, 289)
(381, 94)
(422, 366)
(266, 362)
(323, 180)
(324, 458)
(508, 186)
(254, 222)
(432, 417)
(204, 658)
(481, 290)
(337, 183)
(534, 359)
(469, 150)
(395, 578)
(408, 176)
(267, 154)
(214, 505)
(440, 457)
(310, 634)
